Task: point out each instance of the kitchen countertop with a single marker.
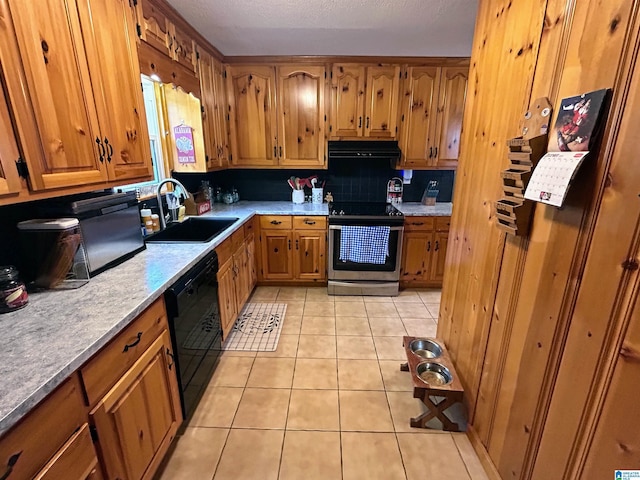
(415, 209)
(59, 330)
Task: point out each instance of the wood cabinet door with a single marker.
(76, 460)
(347, 100)
(277, 255)
(9, 179)
(440, 240)
(453, 90)
(154, 26)
(121, 105)
(227, 297)
(251, 259)
(182, 47)
(138, 418)
(416, 256)
(209, 117)
(221, 111)
(251, 93)
(381, 103)
(418, 115)
(310, 254)
(301, 118)
(241, 268)
(53, 54)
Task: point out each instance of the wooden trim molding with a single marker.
(318, 59)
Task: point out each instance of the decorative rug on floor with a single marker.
(258, 328)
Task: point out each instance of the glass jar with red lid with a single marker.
(13, 293)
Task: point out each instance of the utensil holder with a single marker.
(297, 196)
(317, 194)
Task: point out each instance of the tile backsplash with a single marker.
(352, 180)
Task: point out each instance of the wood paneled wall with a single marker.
(543, 329)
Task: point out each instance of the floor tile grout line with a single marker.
(226, 439)
(466, 467)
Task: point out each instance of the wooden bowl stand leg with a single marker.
(436, 410)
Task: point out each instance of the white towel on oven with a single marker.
(364, 244)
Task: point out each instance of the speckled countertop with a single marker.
(415, 209)
(59, 330)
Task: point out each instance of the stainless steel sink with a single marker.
(192, 230)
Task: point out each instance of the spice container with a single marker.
(147, 221)
(13, 293)
(155, 222)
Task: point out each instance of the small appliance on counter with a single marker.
(110, 227)
(53, 253)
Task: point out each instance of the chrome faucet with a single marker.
(183, 194)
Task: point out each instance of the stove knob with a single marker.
(341, 212)
(333, 212)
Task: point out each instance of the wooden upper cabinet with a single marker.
(9, 180)
(153, 26)
(381, 102)
(431, 116)
(120, 101)
(418, 117)
(301, 116)
(182, 48)
(221, 111)
(453, 89)
(251, 92)
(53, 53)
(208, 100)
(347, 100)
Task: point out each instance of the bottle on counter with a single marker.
(147, 221)
(13, 293)
(155, 222)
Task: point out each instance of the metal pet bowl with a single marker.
(425, 348)
(434, 374)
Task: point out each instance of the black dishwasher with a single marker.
(194, 321)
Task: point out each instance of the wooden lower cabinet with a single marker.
(293, 248)
(139, 417)
(227, 297)
(236, 275)
(424, 250)
(310, 255)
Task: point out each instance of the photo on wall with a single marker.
(577, 121)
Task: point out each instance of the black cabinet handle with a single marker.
(297, 246)
(102, 150)
(428, 246)
(435, 153)
(417, 223)
(437, 246)
(13, 459)
(131, 345)
(275, 222)
(360, 122)
(107, 145)
(173, 359)
(430, 152)
(309, 222)
(281, 150)
(275, 151)
(367, 122)
(289, 244)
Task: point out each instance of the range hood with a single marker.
(372, 149)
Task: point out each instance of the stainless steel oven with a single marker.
(369, 274)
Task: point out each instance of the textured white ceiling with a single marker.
(334, 27)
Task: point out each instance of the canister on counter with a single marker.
(13, 293)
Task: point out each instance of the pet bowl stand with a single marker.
(452, 392)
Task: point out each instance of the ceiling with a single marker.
(334, 27)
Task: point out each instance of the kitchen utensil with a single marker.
(298, 187)
(291, 184)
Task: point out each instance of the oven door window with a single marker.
(389, 265)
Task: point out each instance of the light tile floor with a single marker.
(329, 403)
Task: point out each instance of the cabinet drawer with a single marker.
(237, 239)
(419, 224)
(249, 227)
(101, 372)
(310, 223)
(76, 460)
(43, 431)
(224, 251)
(271, 222)
(443, 224)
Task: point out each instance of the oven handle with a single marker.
(393, 229)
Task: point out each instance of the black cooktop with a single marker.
(363, 209)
